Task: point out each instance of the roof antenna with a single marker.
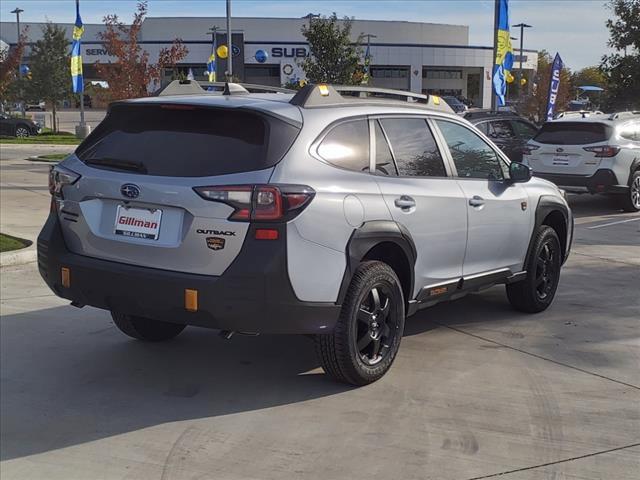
(234, 89)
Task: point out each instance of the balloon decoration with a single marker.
(261, 56)
(510, 78)
(523, 81)
(222, 51)
(24, 69)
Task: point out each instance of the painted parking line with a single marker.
(614, 223)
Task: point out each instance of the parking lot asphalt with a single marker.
(477, 391)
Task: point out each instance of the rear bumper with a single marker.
(253, 295)
(603, 181)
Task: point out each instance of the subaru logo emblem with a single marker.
(559, 149)
(130, 190)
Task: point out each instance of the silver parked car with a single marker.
(337, 212)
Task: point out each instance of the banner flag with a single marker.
(77, 79)
(554, 85)
(503, 63)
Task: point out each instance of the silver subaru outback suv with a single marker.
(335, 211)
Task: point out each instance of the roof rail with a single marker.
(324, 95)
(479, 113)
(630, 113)
(193, 87)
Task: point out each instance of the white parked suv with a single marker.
(595, 154)
(318, 212)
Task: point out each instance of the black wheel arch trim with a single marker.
(366, 237)
(635, 166)
(548, 204)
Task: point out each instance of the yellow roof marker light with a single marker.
(324, 90)
(436, 99)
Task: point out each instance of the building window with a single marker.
(441, 74)
(389, 72)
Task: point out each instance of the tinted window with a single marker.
(573, 133)
(472, 156)
(185, 141)
(347, 146)
(384, 160)
(523, 129)
(631, 131)
(414, 147)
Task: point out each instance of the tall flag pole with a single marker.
(366, 71)
(503, 61)
(77, 79)
(554, 85)
(229, 44)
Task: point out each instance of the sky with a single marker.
(574, 28)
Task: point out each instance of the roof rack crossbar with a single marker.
(193, 87)
(324, 95)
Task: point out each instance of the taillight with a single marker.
(606, 151)
(529, 149)
(260, 203)
(60, 177)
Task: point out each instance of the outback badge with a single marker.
(215, 243)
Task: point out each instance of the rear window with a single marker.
(573, 133)
(186, 141)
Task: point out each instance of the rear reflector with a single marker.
(65, 274)
(191, 300)
(266, 234)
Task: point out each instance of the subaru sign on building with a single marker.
(421, 57)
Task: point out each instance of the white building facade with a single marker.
(421, 57)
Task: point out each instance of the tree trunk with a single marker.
(55, 123)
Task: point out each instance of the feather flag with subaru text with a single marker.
(503, 63)
(77, 80)
(554, 85)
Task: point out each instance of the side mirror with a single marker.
(519, 172)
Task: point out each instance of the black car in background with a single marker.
(508, 130)
(455, 104)
(17, 127)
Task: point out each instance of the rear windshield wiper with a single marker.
(117, 164)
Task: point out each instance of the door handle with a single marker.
(476, 201)
(405, 202)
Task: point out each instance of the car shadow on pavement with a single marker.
(68, 379)
(588, 205)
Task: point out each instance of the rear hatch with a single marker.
(135, 201)
(561, 147)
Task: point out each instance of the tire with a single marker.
(147, 329)
(22, 132)
(535, 293)
(367, 337)
(630, 202)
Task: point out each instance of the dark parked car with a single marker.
(455, 104)
(87, 102)
(508, 130)
(17, 127)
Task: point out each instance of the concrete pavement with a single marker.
(477, 390)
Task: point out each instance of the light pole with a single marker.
(229, 43)
(368, 52)
(522, 26)
(18, 11)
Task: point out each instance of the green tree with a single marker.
(592, 76)
(50, 74)
(333, 58)
(622, 67)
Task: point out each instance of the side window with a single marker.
(630, 131)
(501, 129)
(472, 156)
(414, 147)
(347, 146)
(384, 159)
(524, 130)
(483, 127)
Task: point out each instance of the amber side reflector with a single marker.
(437, 291)
(191, 300)
(65, 273)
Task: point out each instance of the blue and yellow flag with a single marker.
(76, 54)
(211, 63)
(504, 53)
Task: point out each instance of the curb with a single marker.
(19, 257)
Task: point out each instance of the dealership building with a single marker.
(421, 57)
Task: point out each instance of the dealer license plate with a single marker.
(138, 222)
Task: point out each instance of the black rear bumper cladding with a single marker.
(253, 295)
(603, 180)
